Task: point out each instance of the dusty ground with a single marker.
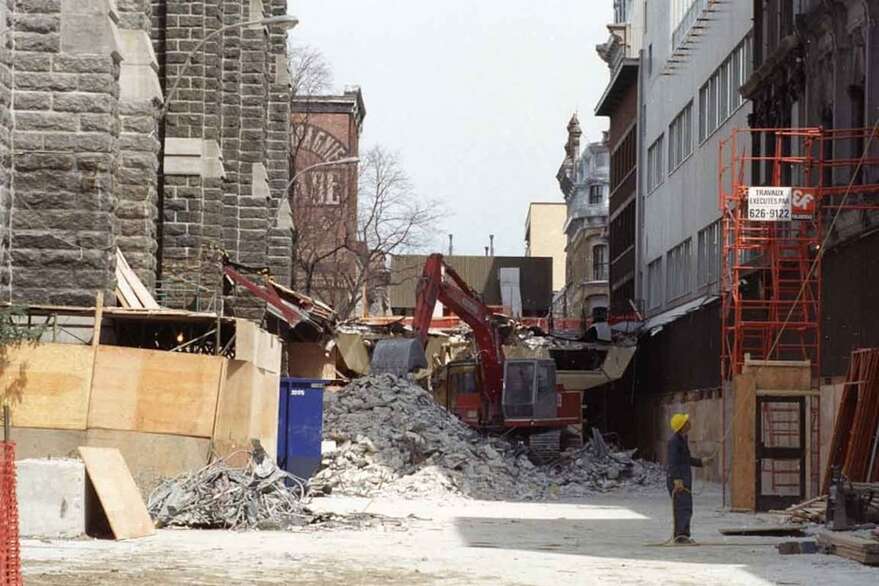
(600, 540)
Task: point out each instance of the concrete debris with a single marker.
(257, 496)
(393, 438)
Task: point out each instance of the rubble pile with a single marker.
(392, 437)
(218, 496)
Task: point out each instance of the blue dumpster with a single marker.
(300, 424)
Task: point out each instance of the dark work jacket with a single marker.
(680, 460)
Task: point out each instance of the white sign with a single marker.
(769, 204)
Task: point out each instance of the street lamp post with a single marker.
(288, 22)
(348, 161)
(284, 209)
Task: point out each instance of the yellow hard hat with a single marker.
(678, 420)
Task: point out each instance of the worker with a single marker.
(680, 477)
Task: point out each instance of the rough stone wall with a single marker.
(140, 102)
(221, 199)
(6, 14)
(280, 242)
(65, 155)
(81, 174)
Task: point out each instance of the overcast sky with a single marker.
(474, 95)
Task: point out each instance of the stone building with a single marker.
(91, 164)
(583, 179)
(326, 130)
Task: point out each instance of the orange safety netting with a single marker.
(10, 561)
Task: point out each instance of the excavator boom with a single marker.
(440, 282)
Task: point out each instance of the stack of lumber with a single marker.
(851, 546)
(130, 290)
(856, 430)
(810, 511)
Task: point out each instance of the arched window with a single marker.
(599, 262)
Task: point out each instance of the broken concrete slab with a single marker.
(51, 498)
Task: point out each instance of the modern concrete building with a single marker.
(518, 285)
(545, 236)
(694, 60)
(583, 179)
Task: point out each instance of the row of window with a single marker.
(678, 263)
(719, 98)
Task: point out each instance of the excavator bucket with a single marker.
(397, 356)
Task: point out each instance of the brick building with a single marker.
(325, 129)
(620, 104)
(90, 164)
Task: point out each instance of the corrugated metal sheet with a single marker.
(481, 273)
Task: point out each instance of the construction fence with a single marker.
(10, 561)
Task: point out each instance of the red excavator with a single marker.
(517, 397)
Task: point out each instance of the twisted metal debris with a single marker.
(218, 496)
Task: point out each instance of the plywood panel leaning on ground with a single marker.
(258, 346)
(48, 385)
(119, 496)
(743, 476)
(156, 392)
(247, 409)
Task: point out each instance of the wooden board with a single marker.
(247, 409)
(48, 385)
(130, 288)
(780, 375)
(308, 360)
(154, 391)
(354, 354)
(743, 470)
(256, 345)
(121, 500)
(152, 457)
(766, 531)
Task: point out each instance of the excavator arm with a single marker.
(453, 292)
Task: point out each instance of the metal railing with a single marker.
(686, 24)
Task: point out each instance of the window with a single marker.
(599, 262)
(720, 97)
(677, 279)
(654, 284)
(708, 255)
(596, 194)
(650, 59)
(680, 139)
(654, 164)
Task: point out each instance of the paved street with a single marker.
(600, 540)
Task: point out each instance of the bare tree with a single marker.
(345, 237)
(310, 72)
(392, 219)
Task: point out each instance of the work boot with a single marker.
(684, 540)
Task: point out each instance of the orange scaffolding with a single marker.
(771, 277)
(771, 265)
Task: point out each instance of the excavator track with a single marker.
(545, 445)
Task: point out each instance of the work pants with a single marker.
(682, 508)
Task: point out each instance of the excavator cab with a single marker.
(529, 390)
